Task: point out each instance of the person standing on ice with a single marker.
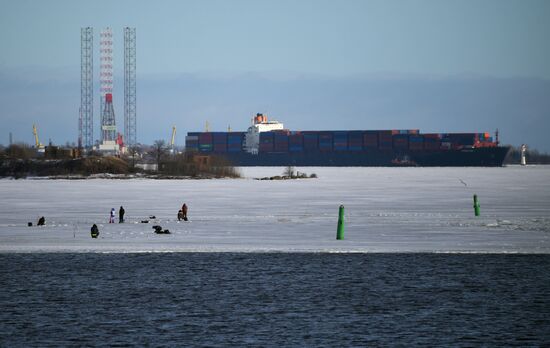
(184, 212)
(112, 216)
(121, 215)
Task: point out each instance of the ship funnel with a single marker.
(260, 118)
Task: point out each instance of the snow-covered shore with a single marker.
(386, 210)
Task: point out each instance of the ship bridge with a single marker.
(252, 136)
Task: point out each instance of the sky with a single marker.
(259, 43)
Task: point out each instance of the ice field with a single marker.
(386, 210)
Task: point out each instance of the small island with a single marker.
(289, 174)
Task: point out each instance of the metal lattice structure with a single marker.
(130, 121)
(108, 125)
(86, 122)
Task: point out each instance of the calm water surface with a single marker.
(226, 299)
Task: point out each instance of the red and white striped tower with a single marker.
(108, 125)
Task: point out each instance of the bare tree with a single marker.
(133, 150)
(289, 171)
(159, 150)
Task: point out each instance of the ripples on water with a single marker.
(225, 299)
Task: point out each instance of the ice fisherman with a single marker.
(184, 212)
(112, 216)
(94, 231)
(41, 221)
(121, 215)
(180, 215)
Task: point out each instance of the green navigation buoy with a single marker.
(476, 206)
(340, 230)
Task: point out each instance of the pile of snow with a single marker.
(386, 210)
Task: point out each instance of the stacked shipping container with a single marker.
(370, 140)
(432, 141)
(311, 141)
(220, 142)
(355, 141)
(235, 141)
(280, 143)
(205, 142)
(400, 141)
(192, 141)
(296, 142)
(416, 142)
(385, 140)
(325, 141)
(340, 141)
(266, 142)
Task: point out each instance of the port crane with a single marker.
(39, 146)
(172, 150)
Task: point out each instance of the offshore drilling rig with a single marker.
(110, 140)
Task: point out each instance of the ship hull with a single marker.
(474, 157)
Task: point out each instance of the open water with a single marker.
(274, 299)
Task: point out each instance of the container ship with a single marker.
(268, 143)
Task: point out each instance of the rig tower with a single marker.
(130, 122)
(86, 122)
(108, 124)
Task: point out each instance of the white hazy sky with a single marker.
(501, 38)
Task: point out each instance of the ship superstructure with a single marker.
(260, 124)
